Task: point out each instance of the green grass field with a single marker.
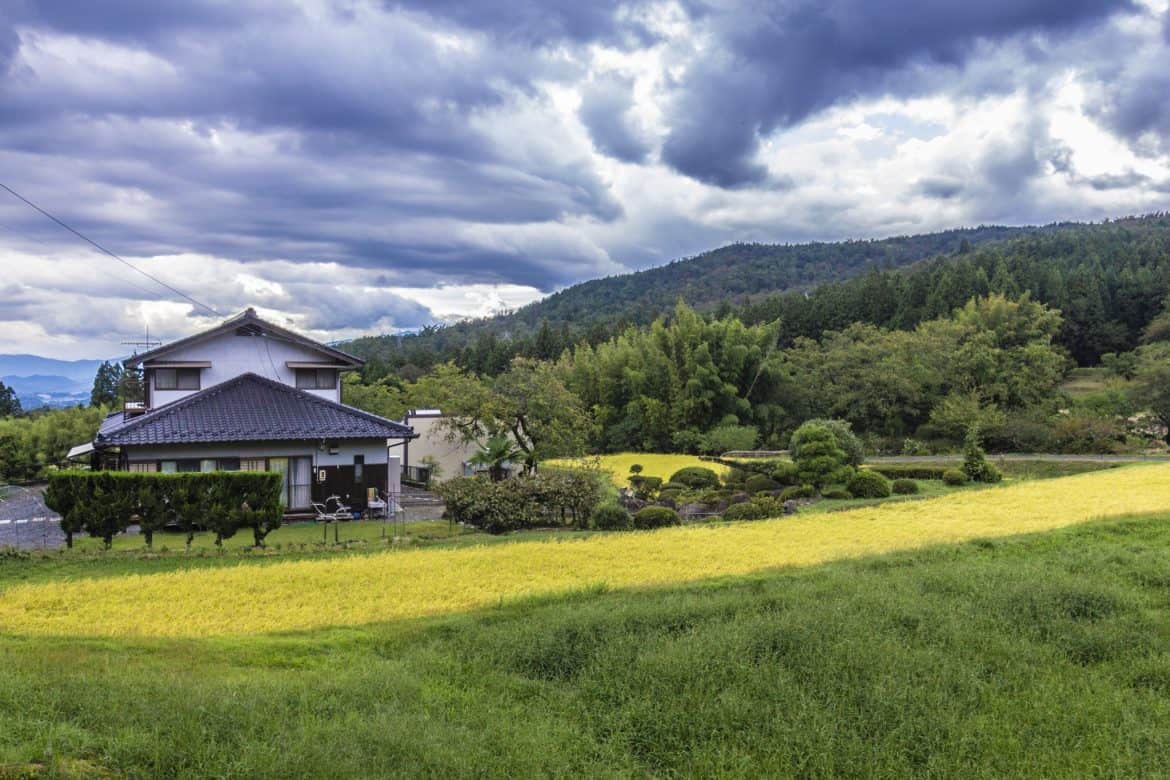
(1027, 656)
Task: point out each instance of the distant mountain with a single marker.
(732, 275)
(33, 365)
(739, 272)
(40, 381)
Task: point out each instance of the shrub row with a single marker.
(563, 497)
(908, 470)
(105, 503)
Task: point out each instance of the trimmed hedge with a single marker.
(869, 484)
(696, 477)
(905, 487)
(837, 494)
(106, 503)
(656, 517)
(908, 470)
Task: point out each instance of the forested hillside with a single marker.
(911, 355)
(1107, 279)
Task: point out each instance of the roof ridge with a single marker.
(246, 316)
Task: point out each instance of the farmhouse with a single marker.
(249, 395)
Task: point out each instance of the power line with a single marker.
(115, 277)
(102, 249)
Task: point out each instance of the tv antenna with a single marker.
(147, 343)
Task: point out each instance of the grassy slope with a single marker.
(1031, 656)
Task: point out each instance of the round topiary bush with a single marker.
(798, 491)
(837, 494)
(869, 484)
(696, 477)
(679, 486)
(905, 487)
(611, 517)
(656, 517)
(758, 483)
(955, 477)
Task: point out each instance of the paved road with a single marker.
(26, 522)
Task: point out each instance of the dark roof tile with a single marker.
(249, 408)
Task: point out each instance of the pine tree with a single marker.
(106, 385)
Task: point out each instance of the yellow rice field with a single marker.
(653, 465)
(305, 595)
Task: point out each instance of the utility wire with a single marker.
(103, 250)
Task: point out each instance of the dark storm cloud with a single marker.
(138, 21)
(1135, 104)
(356, 127)
(605, 111)
(539, 22)
(771, 67)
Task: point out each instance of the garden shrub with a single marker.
(819, 459)
(837, 494)
(546, 498)
(786, 473)
(798, 491)
(869, 484)
(756, 509)
(975, 463)
(656, 517)
(611, 517)
(696, 477)
(905, 487)
(758, 483)
(636, 468)
(955, 477)
(736, 477)
(645, 487)
(842, 432)
(679, 486)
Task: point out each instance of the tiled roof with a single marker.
(249, 408)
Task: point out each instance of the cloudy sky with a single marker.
(363, 167)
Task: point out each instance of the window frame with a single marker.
(183, 378)
(304, 375)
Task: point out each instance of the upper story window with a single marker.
(176, 379)
(316, 378)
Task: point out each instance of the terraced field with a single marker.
(305, 595)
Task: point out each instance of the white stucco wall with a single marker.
(231, 355)
(432, 441)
